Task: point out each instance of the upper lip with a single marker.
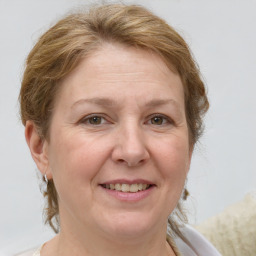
(128, 181)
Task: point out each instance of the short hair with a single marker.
(74, 37)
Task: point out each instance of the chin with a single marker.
(130, 225)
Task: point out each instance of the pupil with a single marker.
(95, 120)
(157, 120)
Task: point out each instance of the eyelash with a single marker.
(86, 119)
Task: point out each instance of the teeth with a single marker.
(125, 188)
(144, 186)
(133, 188)
(118, 187)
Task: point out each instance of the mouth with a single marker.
(127, 188)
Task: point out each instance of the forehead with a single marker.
(118, 71)
(124, 60)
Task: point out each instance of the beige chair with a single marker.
(233, 231)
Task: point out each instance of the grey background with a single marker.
(221, 35)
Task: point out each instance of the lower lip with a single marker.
(129, 196)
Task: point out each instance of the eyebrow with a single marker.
(96, 101)
(159, 102)
(106, 102)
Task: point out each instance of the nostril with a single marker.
(121, 161)
(129, 163)
(130, 156)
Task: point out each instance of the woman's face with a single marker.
(119, 147)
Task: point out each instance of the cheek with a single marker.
(173, 159)
(76, 159)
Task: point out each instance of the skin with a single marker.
(140, 132)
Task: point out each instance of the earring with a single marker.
(45, 179)
(185, 194)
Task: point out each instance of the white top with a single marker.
(194, 245)
(32, 252)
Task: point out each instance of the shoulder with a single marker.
(194, 243)
(31, 252)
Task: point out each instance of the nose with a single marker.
(130, 147)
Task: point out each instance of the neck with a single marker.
(90, 243)
(98, 246)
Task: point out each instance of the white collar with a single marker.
(194, 243)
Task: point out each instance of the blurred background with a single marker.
(222, 37)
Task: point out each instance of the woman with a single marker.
(112, 104)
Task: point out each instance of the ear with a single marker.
(191, 149)
(38, 149)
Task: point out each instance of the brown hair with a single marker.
(74, 37)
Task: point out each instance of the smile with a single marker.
(132, 188)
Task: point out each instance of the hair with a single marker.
(79, 34)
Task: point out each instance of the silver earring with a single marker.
(45, 179)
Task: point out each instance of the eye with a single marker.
(93, 120)
(159, 120)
